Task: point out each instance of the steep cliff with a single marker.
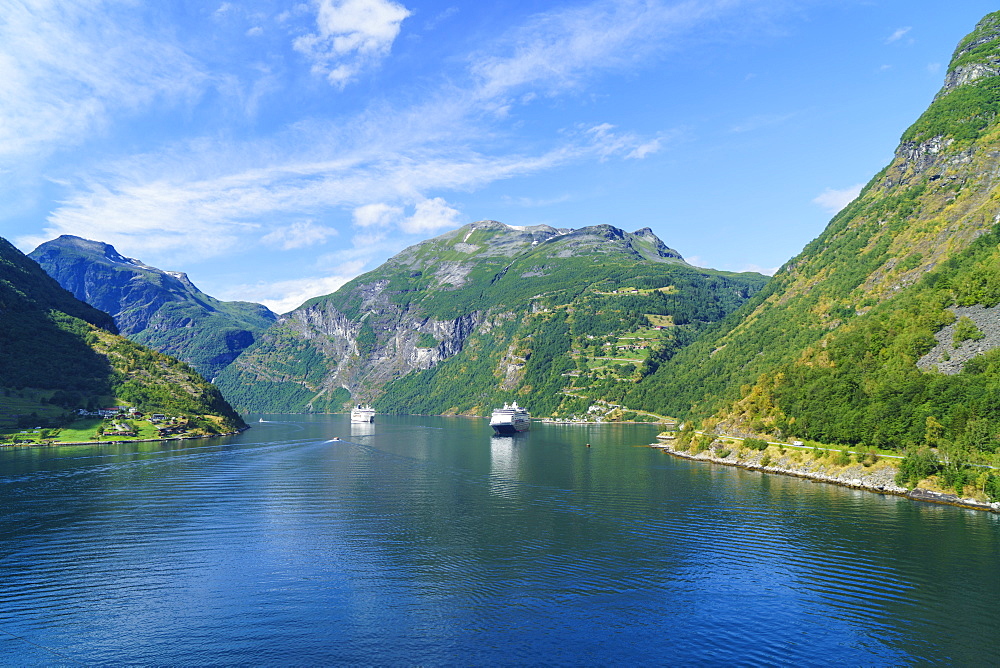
(483, 313)
(157, 308)
(830, 348)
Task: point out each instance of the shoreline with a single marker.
(871, 479)
(53, 444)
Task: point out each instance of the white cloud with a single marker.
(298, 235)
(204, 197)
(898, 34)
(767, 271)
(284, 296)
(606, 142)
(834, 200)
(430, 215)
(156, 208)
(696, 261)
(369, 240)
(352, 35)
(556, 48)
(648, 148)
(534, 202)
(379, 215)
(66, 76)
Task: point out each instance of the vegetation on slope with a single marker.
(489, 313)
(561, 350)
(58, 355)
(829, 349)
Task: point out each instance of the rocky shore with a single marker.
(879, 477)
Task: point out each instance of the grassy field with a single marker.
(79, 431)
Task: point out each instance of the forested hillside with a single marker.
(159, 309)
(853, 340)
(488, 313)
(58, 354)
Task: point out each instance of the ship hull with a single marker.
(509, 428)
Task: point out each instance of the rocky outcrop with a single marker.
(393, 346)
(949, 358)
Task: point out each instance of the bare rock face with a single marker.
(948, 356)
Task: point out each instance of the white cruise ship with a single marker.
(362, 413)
(510, 419)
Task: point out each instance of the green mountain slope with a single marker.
(855, 340)
(488, 312)
(58, 354)
(159, 309)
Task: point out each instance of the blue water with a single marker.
(426, 541)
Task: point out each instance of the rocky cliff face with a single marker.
(158, 308)
(473, 298)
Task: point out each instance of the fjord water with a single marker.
(421, 540)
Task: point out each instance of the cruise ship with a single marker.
(362, 413)
(510, 419)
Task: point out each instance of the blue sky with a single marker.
(273, 150)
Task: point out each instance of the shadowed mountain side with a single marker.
(160, 309)
(58, 354)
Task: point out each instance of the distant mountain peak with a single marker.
(100, 248)
(163, 309)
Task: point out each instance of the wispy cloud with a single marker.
(430, 215)
(377, 215)
(767, 271)
(67, 75)
(299, 234)
(534, 202)
(351, 36)
(388, 169)
(898, 34)
(834, 200)
(284, 296)
(555, 50)
(159, 207)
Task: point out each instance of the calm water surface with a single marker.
(428, 541)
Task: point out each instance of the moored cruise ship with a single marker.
(362, 414)
(510, 419)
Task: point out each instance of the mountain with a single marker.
(58, 354)
(555, 318)
(884, 330)
(159, 309)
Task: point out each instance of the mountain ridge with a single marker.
(485, 280)
(161, 309)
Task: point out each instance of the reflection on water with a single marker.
(503, 464)
(362, 429)
(429, 541)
